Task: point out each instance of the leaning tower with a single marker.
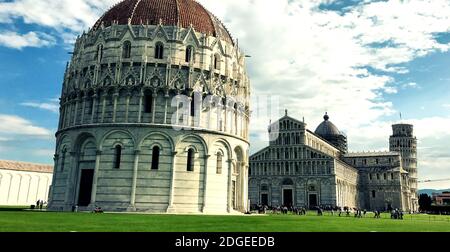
(404, 142)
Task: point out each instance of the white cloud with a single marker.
(31, 39)
(411, 84)
(68, 17)
(52, 105)
(20, 139)
(12, 125)
(74, 15)
(43, 152)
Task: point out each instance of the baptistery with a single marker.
(154, 114)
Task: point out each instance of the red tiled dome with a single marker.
(170, 12)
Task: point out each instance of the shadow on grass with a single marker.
(14, 208)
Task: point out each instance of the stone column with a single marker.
(219, 116)
(141, 96)
(225, 128)
(68, 114)
(154, 95)
(71, 181)
(171, 208)
(115, 96)
(208, 126)
(95, 179)
(103, 107)
(165, 109)
(134, 182)
(230, 172)
(242, 190)
(55, 170)
(205, 184)
(241, 117)
(61, 117)
(94, 105)
(190, 119)
(127, 107)
(83, 110)
(76, 111)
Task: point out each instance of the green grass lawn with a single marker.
(35, 221)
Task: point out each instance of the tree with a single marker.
(424, 202)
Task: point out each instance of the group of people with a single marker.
(340, 211)
(377, 214)
(263, 209)
(97, 209)
(40, 204)
(358, 213)
(397, 214)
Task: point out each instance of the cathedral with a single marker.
(308, 169)
(154, 114)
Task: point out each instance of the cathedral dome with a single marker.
(327, 128)
(182, 13)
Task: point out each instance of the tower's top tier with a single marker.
(403, 130)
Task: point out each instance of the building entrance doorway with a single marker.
(84, 193)
(312, 200)
(264, 199)
(287, 197)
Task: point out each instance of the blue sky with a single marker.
(363, 62)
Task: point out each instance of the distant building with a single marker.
(308, 169)
(24, 183)
(441, 199)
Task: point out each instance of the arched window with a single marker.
(373, 194)
(148, 103)
(159, 51)
(126, 50)
(190, 160)
(117, 156)
(219, 163)
(99, 53)
(189, 54)
(155, 158)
